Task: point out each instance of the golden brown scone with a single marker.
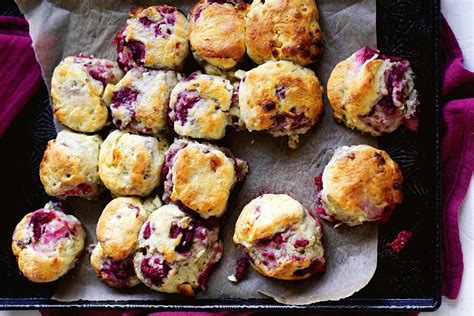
(177, 251)
(360, 184)
(139, 102)
(47, 243)
(70, 165)
(155, 37)
(200, 105)
(280, 237)
(115, 273)
(77, 86)
(130, 164)
(374, 93)
(200, 176)
(216, 33)
(118, 227)
(281, 98)
(283, 30)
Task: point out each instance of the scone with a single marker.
(47, 244)
(280, 238)
(360, 184)
(374, 93)
(139, 102)
(118, 227)
(155, 37)
(217, 34)
(283, 30)
(200, 105)
(280, 98)
(115, 273)
(176, 252)
(70, 165)
(77, 87)
(117, 241)
(130, 164)
(200, 177)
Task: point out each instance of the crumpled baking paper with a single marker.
(60, 28)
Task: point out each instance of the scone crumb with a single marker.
(240, 74)
(400, 242)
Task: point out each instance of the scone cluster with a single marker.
(143, 131)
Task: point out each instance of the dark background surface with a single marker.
(409, 280)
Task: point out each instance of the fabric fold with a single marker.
(20, 75)
(457, 154)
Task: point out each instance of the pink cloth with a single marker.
(20, 75)
(457, 153)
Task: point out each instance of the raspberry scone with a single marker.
(155, 37)
(77, 88)
(200, 105)
(47, 243)
(280, 238)
(374, 93)
(176, 251)
(70, 166)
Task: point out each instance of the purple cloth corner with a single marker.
(457, 154)
(20, 74)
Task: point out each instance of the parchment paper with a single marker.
(60, 28)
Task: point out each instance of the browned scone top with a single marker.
(216, 32)
(281, 98)
(130, 164)
(118, 227)
(283, 29)
(70, 165)
(204, 180)
(361, 91)
(361, 184)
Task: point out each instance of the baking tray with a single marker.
(407, 281)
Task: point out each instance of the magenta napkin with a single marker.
(457, 153)
(20, 74)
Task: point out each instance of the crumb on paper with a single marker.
(240, 270)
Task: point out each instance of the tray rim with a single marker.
(352, 304)
(393, 305)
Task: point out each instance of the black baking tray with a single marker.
(407, 281)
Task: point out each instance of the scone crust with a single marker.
(76, 94)
(102, 265)
(70, 165)
(280, 211)
(280, 237)
(180, 261)
(361, 184)
(139, 102)
(354, 96)
(217, 32)
(130, 164)
(42, 261)
(208, 115)
(203, 181)
(283, 30)
(118, 227)
(280, 97)
(164, 51)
